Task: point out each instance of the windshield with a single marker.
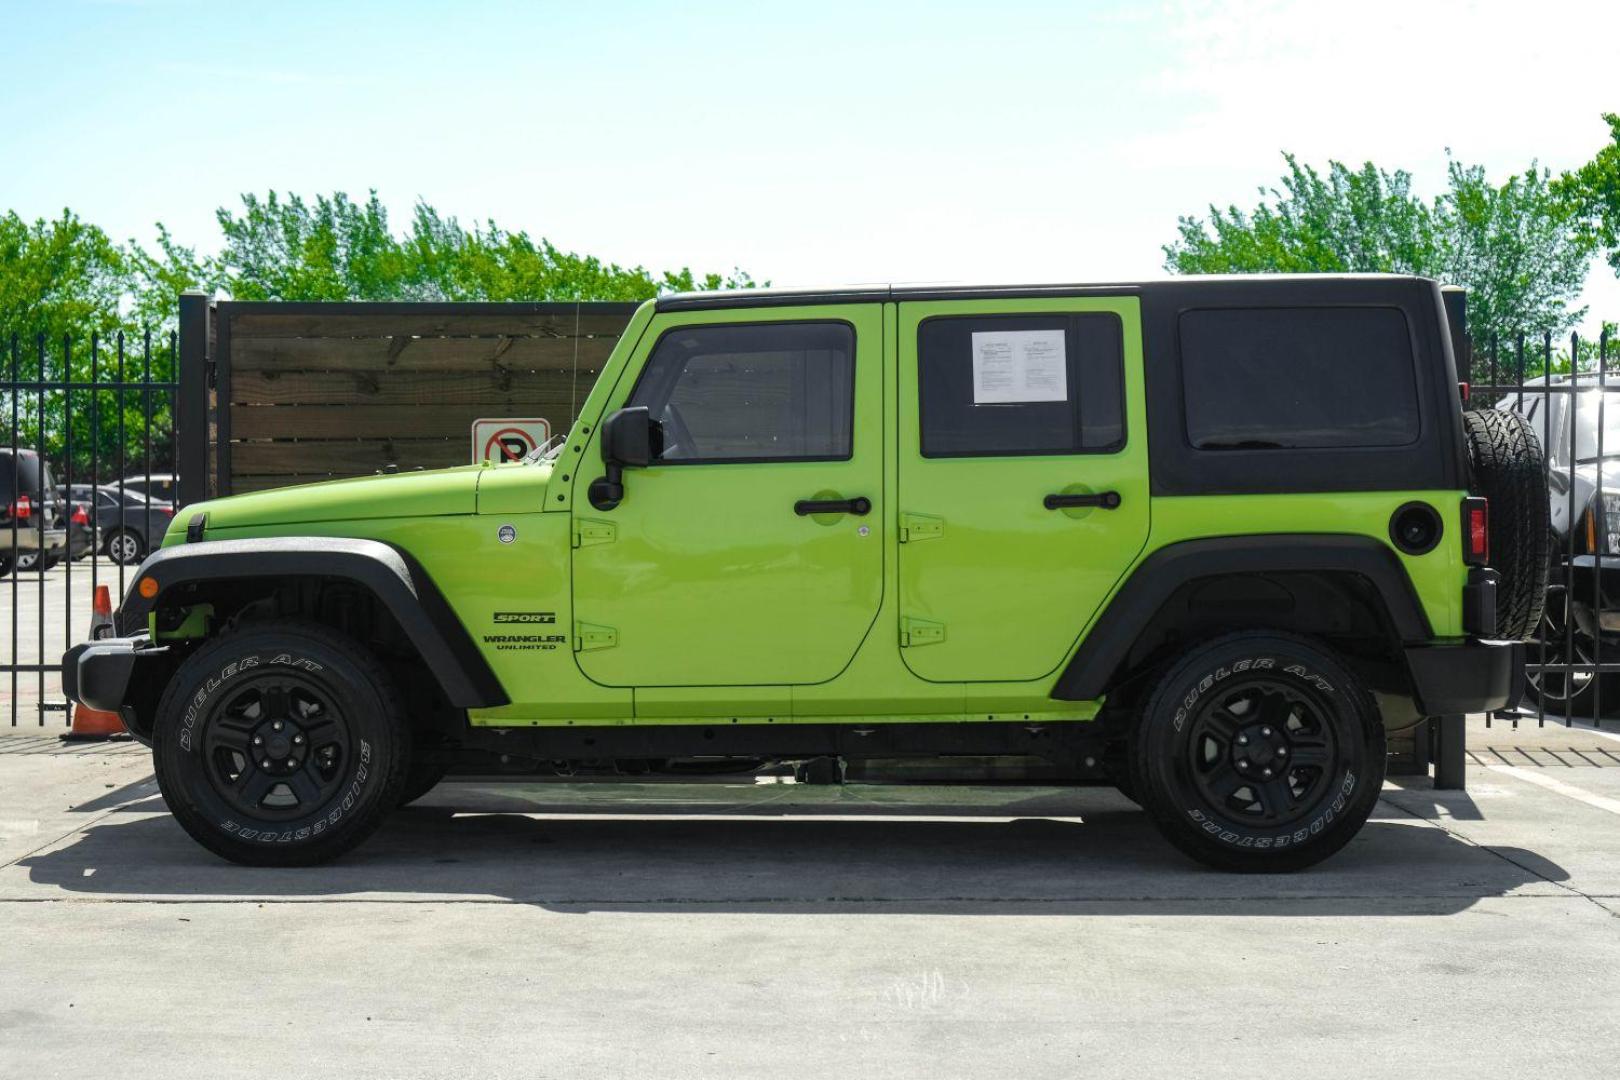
(1587, 426)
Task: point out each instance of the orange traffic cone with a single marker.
(87, 723)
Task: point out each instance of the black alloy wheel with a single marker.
(1258, 751)
(277, 746)
(282, 743)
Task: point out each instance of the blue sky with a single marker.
(1009, 141)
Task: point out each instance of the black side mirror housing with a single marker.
(628, 440)
(631, 439)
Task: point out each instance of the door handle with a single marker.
(860, 506)
(1107, 500)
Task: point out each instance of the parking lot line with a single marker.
(1569, 791)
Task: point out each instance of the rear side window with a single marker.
(1298, 378)
(1020, 385)
(21, 473)
(756, 392)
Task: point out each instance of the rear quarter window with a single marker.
(1298, 378)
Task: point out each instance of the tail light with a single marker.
(22, 509)
(80, 515)
(166, 511)
(1476, 531)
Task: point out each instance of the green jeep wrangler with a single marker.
(1206, 540)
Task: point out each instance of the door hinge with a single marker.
(588, 532)
(915, 527)
(915, 632)
(588, 636)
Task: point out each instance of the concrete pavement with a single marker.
(742, 930)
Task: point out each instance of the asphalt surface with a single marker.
(551, 930)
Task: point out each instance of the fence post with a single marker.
(191, 399)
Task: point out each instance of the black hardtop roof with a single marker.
(1279, 288)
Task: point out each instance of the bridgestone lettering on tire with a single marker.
(281, 744)
(1506, 466)
(1258, 752)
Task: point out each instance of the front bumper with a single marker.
(97, 674)
(1480, 676)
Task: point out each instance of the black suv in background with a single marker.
(33, 518)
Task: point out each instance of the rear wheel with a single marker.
(125, 547)
(5, 565)
(1258, 752)
(281, 744)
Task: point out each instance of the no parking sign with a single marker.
(508, 440)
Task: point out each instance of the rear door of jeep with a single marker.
(1023, 477)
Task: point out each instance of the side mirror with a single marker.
(631, 439)
(628, 438)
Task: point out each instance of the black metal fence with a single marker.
(90, 454)
(1573, 675)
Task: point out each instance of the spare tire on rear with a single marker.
(1505, 465)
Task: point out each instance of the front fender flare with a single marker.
(398, 582)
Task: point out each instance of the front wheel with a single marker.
(1258, 752)
(281, 744)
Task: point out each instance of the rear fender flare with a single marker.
(1092, 670)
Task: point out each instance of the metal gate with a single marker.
(89, 454)
(1566, 395)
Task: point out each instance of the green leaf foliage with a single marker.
(1515, 245)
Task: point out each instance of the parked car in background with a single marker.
(32, 523)
(160, 487)
(126, 523)
(81, 529)
(1581, 624)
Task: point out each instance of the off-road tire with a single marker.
(1506, 465)
(47, 562)
(314, 681)
(1323, 786)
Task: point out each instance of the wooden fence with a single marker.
(307, 392)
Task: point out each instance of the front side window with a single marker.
(754, 392)
(999, 385)
(1298, 378)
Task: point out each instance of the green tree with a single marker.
(1512, 245)
(283, 248)
(1593, 195)
(69, 298)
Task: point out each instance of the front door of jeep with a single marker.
(1023, 478)
(750, 550)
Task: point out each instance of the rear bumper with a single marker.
(28, 540)
(1481, 676)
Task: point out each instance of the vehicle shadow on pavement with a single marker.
(591, 847)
